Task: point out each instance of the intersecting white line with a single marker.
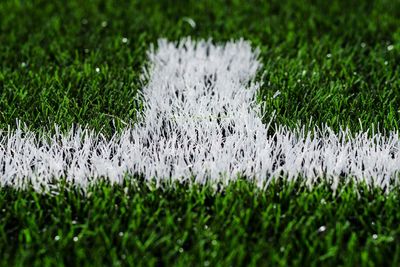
(200, 124)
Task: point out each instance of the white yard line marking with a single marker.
(200, 124)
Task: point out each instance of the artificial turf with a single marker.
(65, 62)
(133, 224)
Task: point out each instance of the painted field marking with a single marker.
(201, 124)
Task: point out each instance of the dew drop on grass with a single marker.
(56, 238)
(180, 250)
(322, 229)
(124, 40)
(104, 24)
(363, 45)
(390, 47)
(121, 233)
(329, 55)
(206, 263)
(73, 222)
(97, 70)
(374, 236)
(75, 239)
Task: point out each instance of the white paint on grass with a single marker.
(200, 124)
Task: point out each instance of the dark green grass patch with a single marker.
(131, 224)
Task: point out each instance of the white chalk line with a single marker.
(200, 124)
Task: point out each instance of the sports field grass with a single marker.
(334, 63)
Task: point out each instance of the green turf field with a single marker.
(335, 63)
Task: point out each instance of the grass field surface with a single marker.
(320, 64)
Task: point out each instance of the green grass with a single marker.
(61, 45)
(334, 62)
(134, 225)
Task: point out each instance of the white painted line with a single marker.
(200, 124)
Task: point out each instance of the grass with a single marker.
(134, 225)
(335, 63)
(330, 60)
